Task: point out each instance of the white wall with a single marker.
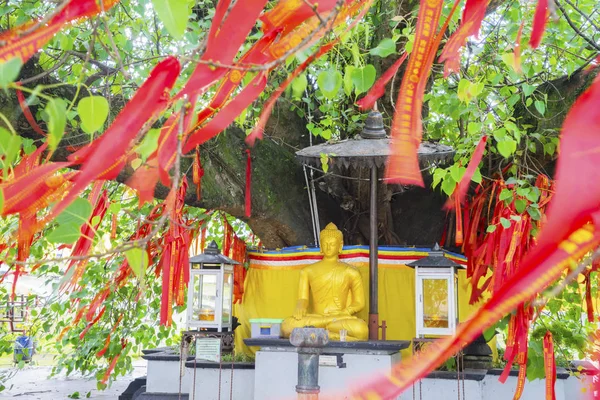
(164, 377)
(207, 384)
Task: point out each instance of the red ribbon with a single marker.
(460, 192)
(378, 89)
(572, 230)
(27, 113)
(198, 173)
(539, 23)
(248, 184)
(549, 366)
(473, 15)
(407, 127)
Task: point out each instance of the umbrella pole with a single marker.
(373, 256)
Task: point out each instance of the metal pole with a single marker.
(310, 203)
(373, 255)
(309, 342)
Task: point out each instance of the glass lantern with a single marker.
(436, 282)
(210, 291)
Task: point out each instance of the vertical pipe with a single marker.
(373, 255)
(310, 203)
(308, 375)
(314, 197)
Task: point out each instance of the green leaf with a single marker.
(299, 86)
(138, 261)
(533, 195)
(506, 147)
(448, 185)
(477, 176)
(330, 82)
(348, 79)
(474, 127)
(540, 106)
(93, 111)
(363, 78)
(66, 42)
(491, 228)
(56, 110)
(528, 89)
(505, 194)
(9, 70)
(1, 200)
(505, 222)
(149, 144)
(174, 15)
(9, 147)
(324, 162)
(520, 205)
(77, 212)
(534, 213)
(489, 333)
(384, 48)
(65, 233)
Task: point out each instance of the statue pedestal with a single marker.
(276, 368)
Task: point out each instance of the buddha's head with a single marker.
(332, 240)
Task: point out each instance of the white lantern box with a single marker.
(210, 291)
(436, 283)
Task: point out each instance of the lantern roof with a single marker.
(435, 259)
(212, 255)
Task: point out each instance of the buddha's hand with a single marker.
(299, 313)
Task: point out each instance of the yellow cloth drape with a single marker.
(271, 289)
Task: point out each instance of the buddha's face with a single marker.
(331, 246)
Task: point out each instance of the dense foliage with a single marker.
(78, 83)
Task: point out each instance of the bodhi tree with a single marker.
(72, 93)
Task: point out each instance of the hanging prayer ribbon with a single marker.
(407, 128)
(378, 89)
(571, 231)
(549, 366)
(197, 173)
(27, 113)
(460, 192)
(473, 15)
(539, 23)
(25, 40)
(248, 195)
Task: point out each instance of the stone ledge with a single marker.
(386, 346)
(216, 365)
(561, 373)
(164, 356)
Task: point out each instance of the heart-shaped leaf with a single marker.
(299, 86)
(174, 15)
(384, 48)
(348, 79)
(10, 145)
(363, 78)
(9, 70)
(506, 147)
(65, 233)
(56, 110)
(77, 213)
(138, 261)
(93, 111)
(330, 82)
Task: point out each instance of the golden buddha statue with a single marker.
(335, 291)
